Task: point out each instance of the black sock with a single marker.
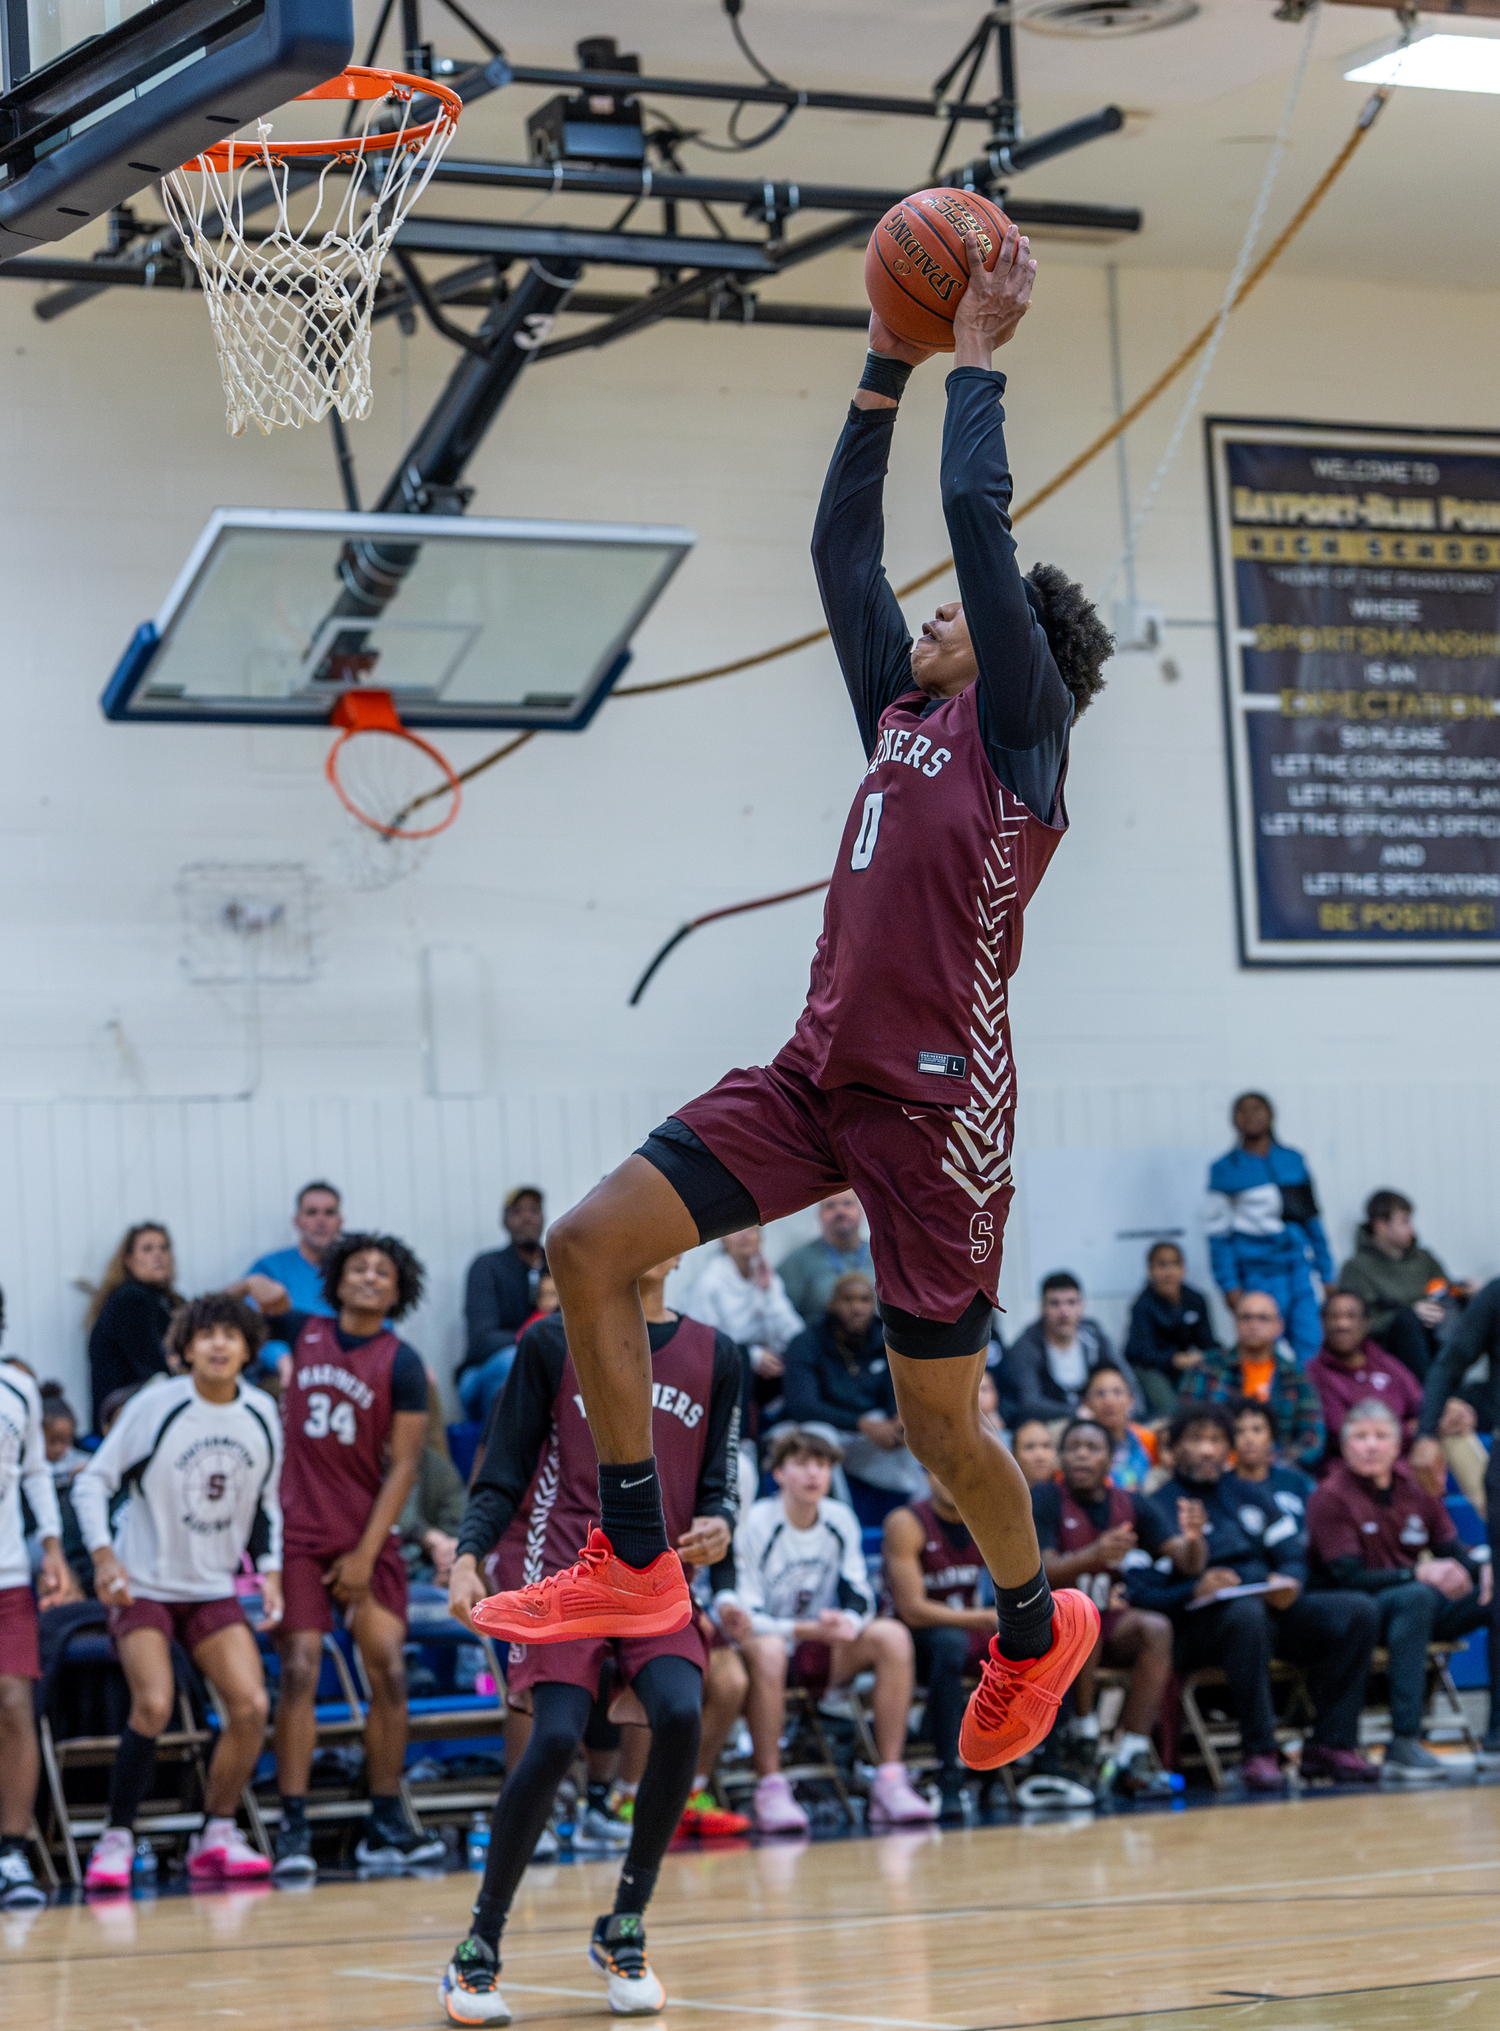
(598, 1795)
(293, 1810)
(1025, 1618)
(489, 1922)
(630, 1512)
(635, 1887)
(12, 1844)
(130, 1780)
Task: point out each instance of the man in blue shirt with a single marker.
(1264, 1229)
(810, 1272)
(319, 1221)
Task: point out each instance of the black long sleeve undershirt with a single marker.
(1025, 709)
(521, 1417)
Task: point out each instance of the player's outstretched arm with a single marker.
(864, 619)
(1023, 700)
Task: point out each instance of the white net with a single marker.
(291, 303)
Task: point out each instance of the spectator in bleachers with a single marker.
(24, 1471)
(837, 1377)
(988, 1400)
(933, 1572)
(1253, 1542)
(804, 1609)
(130, 1313)
(429, 1521)
(65, 1459)
(201, 1498)
(1170, 1328)
(841, 1249)
(1262, 1365)
(499, 1297)
(318, 1217)
(1035, 1450)
(1350, 1368)
(1108, 1401)
(1375, 1529)
(1046, 1368)
(1264, 1230)
(354, 1411)
(1256, 1459)
(742, 1297)
(1403, 1285)
(1092, 1533)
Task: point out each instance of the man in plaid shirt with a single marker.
(1262, 1366)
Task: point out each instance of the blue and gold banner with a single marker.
(1358, 577)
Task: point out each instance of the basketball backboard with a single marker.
(102, 97)
(465, 621)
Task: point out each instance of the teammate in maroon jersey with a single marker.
(933, 1571)
(536, 1497)
(354, 1411)
(898, 1081)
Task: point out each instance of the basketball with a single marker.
(916, 269)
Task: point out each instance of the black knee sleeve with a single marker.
(932, 1340)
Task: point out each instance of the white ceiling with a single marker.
(1419, 202)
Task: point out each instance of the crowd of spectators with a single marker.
(1275, 1491)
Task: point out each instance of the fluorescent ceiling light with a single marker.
(1441, 63)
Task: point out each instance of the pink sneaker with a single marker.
(894, 1801)
(111, 1861)
(221, 1853)
(776, 1811)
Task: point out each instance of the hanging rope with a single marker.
(1059, 480)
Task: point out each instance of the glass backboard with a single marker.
(467, 622)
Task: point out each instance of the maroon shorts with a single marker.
(934, 1193)
(188, 1622)
(19, 1657)
(582, 1663)
(310, 1605)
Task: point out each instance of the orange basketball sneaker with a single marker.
(600, 1596)
(1014, 1705)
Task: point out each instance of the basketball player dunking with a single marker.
(898, 1081)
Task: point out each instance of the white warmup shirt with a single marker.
(205, 1479)
(741, 1310)
(23, 1465)
(785, 1575)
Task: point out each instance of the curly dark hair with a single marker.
(1080, 643)
(411, 1278)
(1190, 1414)
(216, 1309)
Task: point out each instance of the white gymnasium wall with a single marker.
(1133, 1021)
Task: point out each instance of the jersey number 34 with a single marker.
(327, 1416)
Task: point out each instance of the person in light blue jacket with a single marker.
(1264, 1229)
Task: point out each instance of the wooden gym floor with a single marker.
(1319, 1914)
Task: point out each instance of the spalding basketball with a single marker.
(916, 270)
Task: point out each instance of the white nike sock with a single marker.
(1130, 1745)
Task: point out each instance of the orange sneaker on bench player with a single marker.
(1014, 1705)
(600, 1596)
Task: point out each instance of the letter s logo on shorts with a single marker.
(981, 1236)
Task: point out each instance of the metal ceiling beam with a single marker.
(624, 84)
(512, 240)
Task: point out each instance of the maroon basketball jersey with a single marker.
(336, 1414)
(1078, 1529)
(922, 931)
(561, 1506)
(949, 1576)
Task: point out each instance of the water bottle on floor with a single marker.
(479, 1840)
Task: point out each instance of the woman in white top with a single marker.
(740, 1294)
(201, 1455)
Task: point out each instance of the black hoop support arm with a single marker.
(712, 916)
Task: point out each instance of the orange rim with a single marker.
(375, 712)
(357, 82)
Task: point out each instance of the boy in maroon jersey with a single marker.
(535, 1497)
(354, 1410)
(932, 1570)
(898, 1083)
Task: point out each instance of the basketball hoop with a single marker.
(390, 779)
(291, 308)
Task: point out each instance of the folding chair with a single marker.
(1439, 1681)
(1211, 1737)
